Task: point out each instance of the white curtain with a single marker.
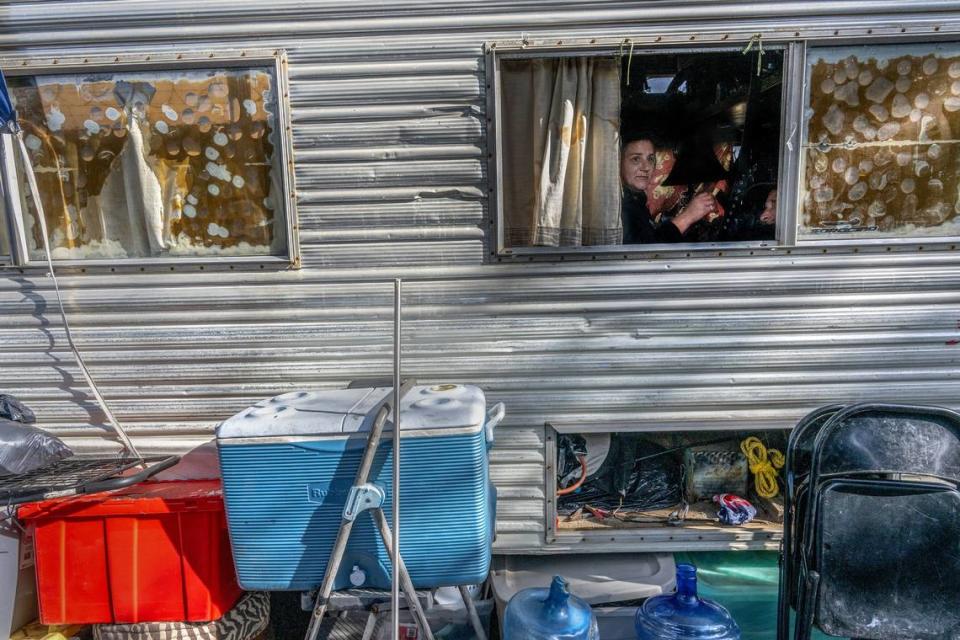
(561, 136)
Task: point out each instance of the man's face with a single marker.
(637, 163)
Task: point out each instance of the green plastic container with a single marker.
(746, 583)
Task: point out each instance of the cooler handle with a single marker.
(494, 416)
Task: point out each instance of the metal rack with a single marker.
(78, 476)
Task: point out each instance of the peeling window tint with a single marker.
(153, 164)
(881, 155)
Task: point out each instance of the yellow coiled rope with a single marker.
(763, 464)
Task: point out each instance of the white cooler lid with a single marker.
(425, 408)
(598, 578)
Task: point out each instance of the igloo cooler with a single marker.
(289, 462)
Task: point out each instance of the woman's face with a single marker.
(769, 213)
(637, 163)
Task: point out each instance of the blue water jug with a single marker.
(684, 615)
(549, 614)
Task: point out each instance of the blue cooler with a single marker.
(289, 462)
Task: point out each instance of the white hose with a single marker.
(32, 182)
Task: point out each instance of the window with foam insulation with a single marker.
(881, 154)
(159, 162)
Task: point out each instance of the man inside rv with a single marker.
(638, 160)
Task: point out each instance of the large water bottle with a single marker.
(684, 615)
(549, 614)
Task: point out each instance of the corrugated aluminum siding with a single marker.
(388, 110)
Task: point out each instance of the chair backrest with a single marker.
(800, 444)
(889, 439)
(886, 560)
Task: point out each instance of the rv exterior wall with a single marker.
(389, 122)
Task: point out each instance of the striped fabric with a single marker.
(245, 621)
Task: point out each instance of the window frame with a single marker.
(273, 59)
(797, 45)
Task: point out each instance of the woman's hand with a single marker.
(699, 208)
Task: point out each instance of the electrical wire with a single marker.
(576, 485)
(35, 193)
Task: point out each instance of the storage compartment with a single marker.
(156, 552)
(288, 464)
(664, 488)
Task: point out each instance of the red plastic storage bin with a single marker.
(156, 552)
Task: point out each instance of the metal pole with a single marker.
(395, 548)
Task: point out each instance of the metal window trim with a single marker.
(519, 50)
(10, 184)
(274, 59)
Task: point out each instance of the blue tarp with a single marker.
(746, 583)
(8, 116)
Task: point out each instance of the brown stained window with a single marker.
(152, 164)
(881, 155)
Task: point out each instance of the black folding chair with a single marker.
(796, 469)
(883, 563)
(870, 477)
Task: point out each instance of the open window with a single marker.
(627, 150)
(880, 157)
(156, 159)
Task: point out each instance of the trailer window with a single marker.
(160, 163)
(647, 149)
(881, 151)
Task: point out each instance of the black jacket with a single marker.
(639, 226)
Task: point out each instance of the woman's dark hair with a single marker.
(629, 135)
